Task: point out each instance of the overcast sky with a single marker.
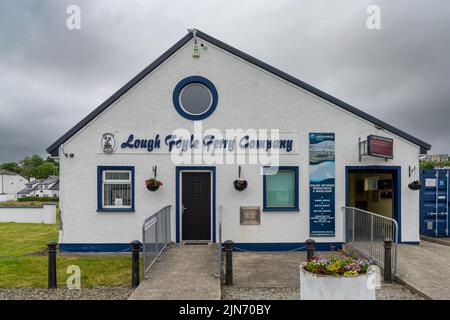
(51, 77)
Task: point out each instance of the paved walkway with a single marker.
(426, 267)
(270, 269)
(183, 272)
(276, 275)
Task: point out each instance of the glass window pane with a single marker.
(195, 98)
(117, 195)
(111, 175)
(280, 189)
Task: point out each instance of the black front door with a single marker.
(196, 206)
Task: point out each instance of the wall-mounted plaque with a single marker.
(250, 215)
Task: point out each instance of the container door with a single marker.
(434, 202)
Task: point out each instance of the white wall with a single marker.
(12, 184)
(7, 197)
(45, 193)
(31, 214)
(248, 98)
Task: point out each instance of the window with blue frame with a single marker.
(115, 188)
(195, 98)
(280, 189)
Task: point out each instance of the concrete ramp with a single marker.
(425, 268)
(182, 272)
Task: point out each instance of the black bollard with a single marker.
(51, 249)
(228, 247)
(388, 260)
(310, 248)
(135, 248)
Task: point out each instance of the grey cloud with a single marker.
(52, 77)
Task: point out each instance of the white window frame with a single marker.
(105, 181)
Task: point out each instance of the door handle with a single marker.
(183, 208)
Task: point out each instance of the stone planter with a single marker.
(324, 287)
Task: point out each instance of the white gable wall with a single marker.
(248, 98)
(11, 184)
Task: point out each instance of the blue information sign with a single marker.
(321, 185)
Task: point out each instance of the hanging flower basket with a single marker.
(240, 184)
(153, 184)
(415, 185)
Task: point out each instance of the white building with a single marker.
(41, 188)
(10, 184)
(435, 157)
(106, 158)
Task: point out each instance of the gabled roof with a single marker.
(25, 191)
(49, 180)
(34, 182)
(53, 149)
(55, 186)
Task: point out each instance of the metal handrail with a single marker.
(367, 235)
(156, 227)
(380, 216)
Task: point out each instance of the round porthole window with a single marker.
(195, 98)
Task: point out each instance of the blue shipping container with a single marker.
(434, 202)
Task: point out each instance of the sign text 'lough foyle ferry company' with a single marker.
(209, 142)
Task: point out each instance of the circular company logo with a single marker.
(108, 143)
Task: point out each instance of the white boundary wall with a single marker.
(31, 214)
(7, 197)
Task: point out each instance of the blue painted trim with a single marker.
(397, 175)
(178, 171)
(95, 247)
(116, 210)
(411, 242)
(100, 170)
(282, 168)
(286, 246)
(187, 81)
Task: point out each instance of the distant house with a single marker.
(435, 157)
(41, 188)
(28, 191)
(10, 184)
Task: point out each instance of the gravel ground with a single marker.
(389, 292)
(99, 293)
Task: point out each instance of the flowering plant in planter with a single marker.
(153, 184)
(337, 267)
(415, 185)
(240, 184)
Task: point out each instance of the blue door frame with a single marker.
(396, 173)
(178, 171)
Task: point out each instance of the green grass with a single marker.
(24, 272)
(18, 239)
(19, 269)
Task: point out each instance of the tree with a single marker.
(33, 166)
(427, 165)
(11, 166)
(56, 163)
(44, 170)
(29, 165)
